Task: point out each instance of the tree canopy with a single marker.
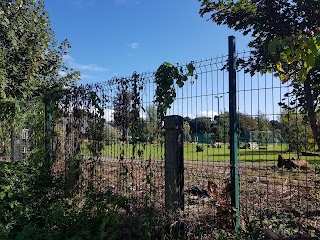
(30, 59)
(285, 40)
(265, 20)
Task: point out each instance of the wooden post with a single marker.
(174, 169)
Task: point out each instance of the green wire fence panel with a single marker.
(111, 137)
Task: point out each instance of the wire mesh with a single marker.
(277, 170)
(97, 144)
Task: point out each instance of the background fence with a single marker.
(107, 136)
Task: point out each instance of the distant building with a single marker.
(20, 146)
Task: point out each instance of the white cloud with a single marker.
(87, 67)
(209, 114)
(134, 45)
(190, 115)
(108, 114)
(85, 76)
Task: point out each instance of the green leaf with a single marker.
(310, 140)
(283, 78)
(167, 64)
(302, 76)
(272, 46)
(310, 60)
(191, 69)
(12, 204)
(283, 56)
(2, 195)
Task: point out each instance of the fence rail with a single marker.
(95, 141)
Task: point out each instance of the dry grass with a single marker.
(265, 190)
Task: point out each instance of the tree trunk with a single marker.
(311, 111)
(127, 137)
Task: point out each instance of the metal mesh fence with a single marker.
(96, 143)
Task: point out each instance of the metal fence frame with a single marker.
(160, 175)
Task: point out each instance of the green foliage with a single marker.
(246, 125)
(30, 210)
(285, 40)
(96, 135)
(223, 121)
(127, 105)
(186, 131)
(300, 51)
(267, 22)
(30, 59)
(297, 132)
(8, 109)
(262, 126)
(201, 125)
(165, 78)
(152, 131)
(17, 195)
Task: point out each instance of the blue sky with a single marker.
(117, 37)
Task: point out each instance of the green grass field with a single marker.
(156, 151)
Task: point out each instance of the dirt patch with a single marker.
(265, 190)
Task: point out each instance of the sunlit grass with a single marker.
(267, 154)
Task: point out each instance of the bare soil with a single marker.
(265, 190)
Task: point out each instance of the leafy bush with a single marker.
(32, 208)
(17, 194)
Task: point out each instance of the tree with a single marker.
(121, 115)
(285, 40)
(187, 119)
(201, 125)
(246, 125)
(296, 132)
(96, 133)
(31, 64)
(223, 122)
(30, 60)
(186, 131)
(151, 123)
(262, 127)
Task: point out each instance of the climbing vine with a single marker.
(78, 127)
(165, 78)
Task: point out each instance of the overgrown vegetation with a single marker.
(58, 194)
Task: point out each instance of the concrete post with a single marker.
(174, 169)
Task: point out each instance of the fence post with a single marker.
(174, 169)
(48, 130)
(234, 164)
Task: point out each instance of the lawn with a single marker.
(210, 154)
